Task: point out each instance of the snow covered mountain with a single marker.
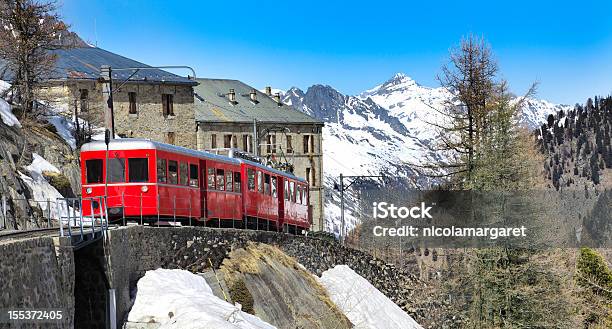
(386, 129)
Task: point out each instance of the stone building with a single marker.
(153, 103)
(232, 114)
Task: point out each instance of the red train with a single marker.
(151, 181)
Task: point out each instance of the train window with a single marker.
(184, 174)
(229, 185)
(267, 184)
(259, 182)
(298, 194)
(116, 170)
(138, 170)
(193, 175)
(161, 170)
(237, 182)
(172, 172)
(220, 180)
(211, 178)
(93, 170)
(251, 178)
(292, 191)
(305, 196)
(287, 190)
(273, 186)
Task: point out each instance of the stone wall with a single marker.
(301, 161)
(37, 273)
(136, 249)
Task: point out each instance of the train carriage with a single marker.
(153, 181)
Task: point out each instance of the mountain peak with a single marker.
(399, 75)
(398, 78)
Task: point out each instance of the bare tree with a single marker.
(30, 30)
(471, 77)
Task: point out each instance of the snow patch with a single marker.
(362, 303)
(39, 164)
(7, 115)
(182, 300)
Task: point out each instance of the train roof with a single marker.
(122, 144)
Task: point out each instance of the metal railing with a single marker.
(65, 214)
(72, 220)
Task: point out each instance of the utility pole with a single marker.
(343, 188)
(107, 97)
(255, 138)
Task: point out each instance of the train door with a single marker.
(203, 194)
(280, 199)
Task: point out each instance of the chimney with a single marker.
(232, 96)
(269, 91)
(277, 99)
(253, 96)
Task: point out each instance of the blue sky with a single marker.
(353, 45)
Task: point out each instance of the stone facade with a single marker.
(300, 145)
(148, 121)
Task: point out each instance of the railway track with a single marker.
(16, 234)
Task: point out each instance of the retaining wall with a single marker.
(134, 250)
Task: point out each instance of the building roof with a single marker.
(84, 63)
(213, 105)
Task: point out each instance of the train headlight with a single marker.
(144, 188)
(88, 190)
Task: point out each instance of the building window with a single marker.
(132, 100)
(289, 146)
(227, 141)
(170, 137)
(271, 144)
(312, 179)
(307, 144)
(84, 99)
(168, 104)
(245, 143)
(308, 175)
(213, 141)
